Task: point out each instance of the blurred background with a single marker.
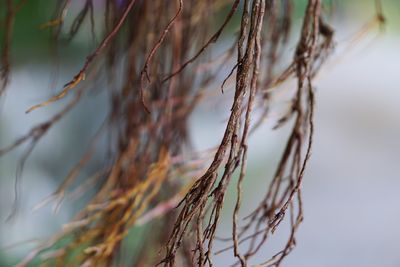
(352, 186)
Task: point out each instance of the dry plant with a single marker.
(156, 55)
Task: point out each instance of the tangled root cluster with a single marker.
(156, 55)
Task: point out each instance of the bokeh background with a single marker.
(352, 186)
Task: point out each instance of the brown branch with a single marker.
(5, 52)
(144, 73)
(89, 59)
(213, 39)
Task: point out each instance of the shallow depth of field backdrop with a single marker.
(351, 189)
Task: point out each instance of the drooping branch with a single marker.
(162, 63)
(80, 76)
(5, 51)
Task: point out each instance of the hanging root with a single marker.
(155, 56)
